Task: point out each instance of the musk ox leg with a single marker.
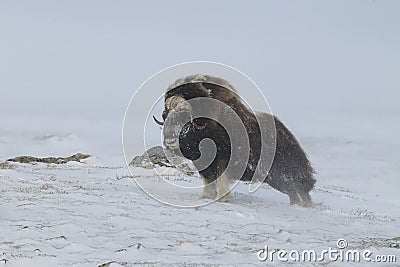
(306, 200)
(210, 189)
(294, 198)
(223, 189)
(300, 198)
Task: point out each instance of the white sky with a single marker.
(308, 57)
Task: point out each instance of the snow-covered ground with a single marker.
(90, 214)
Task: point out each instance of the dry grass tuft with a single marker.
(6, 165)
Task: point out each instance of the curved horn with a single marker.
(158, 122)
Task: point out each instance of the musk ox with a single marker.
(289, 170)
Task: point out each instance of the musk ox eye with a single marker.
(199, 126)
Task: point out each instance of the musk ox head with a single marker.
(180, 123)
(183, 131)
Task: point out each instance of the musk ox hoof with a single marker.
(209, 192)
(308, 204)
(205, 196)
(225, 198)
(301, 199)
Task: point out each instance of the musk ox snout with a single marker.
(176, 124)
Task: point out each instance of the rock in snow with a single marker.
(157, 156)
